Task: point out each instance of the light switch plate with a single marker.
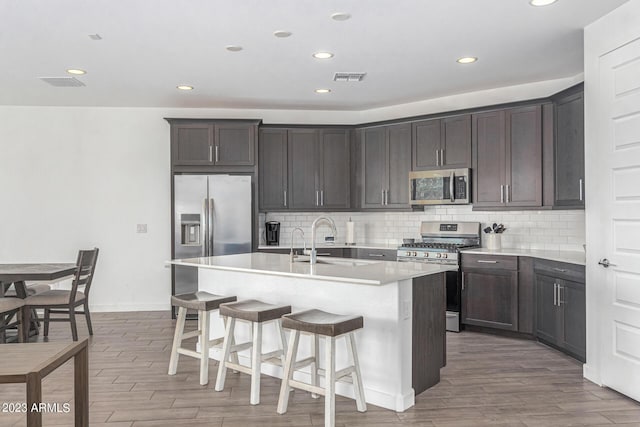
(141, 228)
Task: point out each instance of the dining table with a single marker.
(18, 274)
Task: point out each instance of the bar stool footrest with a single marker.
(307, 387)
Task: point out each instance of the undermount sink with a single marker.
(337, 261)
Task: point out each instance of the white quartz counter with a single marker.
(364, 272)
(572, 257)
(336, 245)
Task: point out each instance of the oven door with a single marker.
(442, 187)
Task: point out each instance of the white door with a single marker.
(619, 207)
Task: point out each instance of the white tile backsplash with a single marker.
(551, 230)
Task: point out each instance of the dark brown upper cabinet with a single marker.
(304, 169)
(507, 158)
(386, 161)
(442, 143)
(569, 151)
(213, 143)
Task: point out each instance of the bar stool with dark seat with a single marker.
(257, 313)
(204, 303)
(331, 326)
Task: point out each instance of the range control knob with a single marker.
(439, 255)
(445, 256)
(425, 254)
(408, 253)
(415, 253)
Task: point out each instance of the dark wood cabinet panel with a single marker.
(573, 302)
(569, 151)
(303, 173)
(491, 262)
(524, 156)
(376, 254)
(374, 167)
(442, 143)
(334, 252)
(526, 296)
(489, 173)
(399, 165)
(426, 144)
(192, 144)
(547, 315)
(456, 142)
(273, 171)
(490, 298)
(234, 145)
(334, 169)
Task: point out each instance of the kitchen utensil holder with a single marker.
(494, 241)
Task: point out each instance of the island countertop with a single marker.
(357, 271)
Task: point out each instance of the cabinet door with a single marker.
(524, 156)
(574, 330)
(426, 144)
(192, 144)
(272, 174)
(399, 165)
(488, 159)
(456, 142)
(374, 167)
(303, 174)
(569, 150)
(234, 145)
(547, 311)
(490, 298)
(334, 169)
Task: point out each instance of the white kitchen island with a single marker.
(402, 344)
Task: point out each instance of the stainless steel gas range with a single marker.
(441, 243)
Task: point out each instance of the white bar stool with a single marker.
(258, 313)
(204, 303)
(331, 326)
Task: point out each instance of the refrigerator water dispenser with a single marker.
(190, 229)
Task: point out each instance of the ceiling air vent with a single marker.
(62, 81)
(348, 77)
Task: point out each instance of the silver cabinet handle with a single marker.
(317, 198)
(211, 153)
(217, 156)
(437, 157)
(605, 263)
(561, 270)
(463, 280)
(581, 190)
(506, 192)
(285, 198)
(451, 189)
(386, 197)
(560, 295)
(382, 195)
(324, 253)
(321, 197)
(555, 294)
(441, 157)
(482, 261)
(376, 255)
(502, 194)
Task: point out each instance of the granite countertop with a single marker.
(571, 257)
(337, 245)
(354, 271)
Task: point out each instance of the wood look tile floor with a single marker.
(488, 381)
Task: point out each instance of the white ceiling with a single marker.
(408, 48)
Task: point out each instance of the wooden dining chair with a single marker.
(64, 302)
(8, 308)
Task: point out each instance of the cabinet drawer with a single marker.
(379, 254)
(335, 252)
(561, 270)
(501, 262)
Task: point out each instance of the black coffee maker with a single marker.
(272, 233)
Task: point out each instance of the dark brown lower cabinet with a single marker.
(561, 312)
(490, 298)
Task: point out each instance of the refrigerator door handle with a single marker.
(204, 231)
(211, 227)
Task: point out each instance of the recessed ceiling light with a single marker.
(323, 55)
(76, 71)
(542, 2)
(282, 34)
(467, 60)
(233, 48)
(340, 16)
(323, 90)
(185, 87)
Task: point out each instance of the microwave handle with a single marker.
(451, 188)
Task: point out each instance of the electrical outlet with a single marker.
(141, 228)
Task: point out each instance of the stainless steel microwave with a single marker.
(440, 187)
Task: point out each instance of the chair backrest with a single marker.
(86, 264)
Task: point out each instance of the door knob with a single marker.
(605, 263)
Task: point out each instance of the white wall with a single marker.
(78, 177)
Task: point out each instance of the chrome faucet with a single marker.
(291, 254)
(314, 225)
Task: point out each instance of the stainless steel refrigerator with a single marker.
(212, 216)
